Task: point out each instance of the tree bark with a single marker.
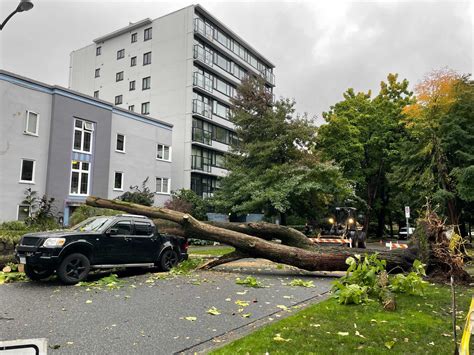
(317, 259)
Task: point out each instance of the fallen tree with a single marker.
(255, 240)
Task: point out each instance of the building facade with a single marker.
(68, 146)
(184, 68)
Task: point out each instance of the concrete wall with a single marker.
(15, 144)
(139, 160)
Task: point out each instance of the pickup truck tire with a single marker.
(37, 274)
(73, 268)
(169, 259)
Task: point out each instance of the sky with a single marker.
(319, 48)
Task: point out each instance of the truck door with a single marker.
(119, 243)
(144, 244)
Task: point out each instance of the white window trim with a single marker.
(32, 182)
(89, 172)
(35, 134)
(160, 159)
(124, 143)
(82, 136)
(121, 183)
(169, 185)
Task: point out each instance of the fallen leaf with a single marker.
(315, 325)
(241, 303)
(70, 343)
(89, 301)
(228, 299)
(431, 343)
(281, 306)
(246, 315)
(389, 344)
(192, 319)
(278, 337)
(214, 311)
(343, 333)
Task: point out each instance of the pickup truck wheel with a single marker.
(37, 274)
(168, 260)
(74, 268)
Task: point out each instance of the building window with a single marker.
(121, 54)
(163, 152)
(98, 51)
(79, 178)
(27, 173)
(131, 85)
(133, 61)
(162, 185)
(83, 136)
(31, 126)
(131, 108)
(119, 76)
(118, 99)
(97, 72)
(146, 83)
(133, 38)
(118, 181)
(147, 58)
(147, 34)
(145, 108)
(120, 143)
(23, 212)
(96, 94)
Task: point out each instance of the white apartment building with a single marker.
(183, 68)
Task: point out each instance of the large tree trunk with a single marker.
(312, 259)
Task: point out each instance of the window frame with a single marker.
(98, 51)
(163, 146)
(121, 181)
(133, 37)
(96, 94)
(119, 76)
(36, 134)
(83, 130)
(131, 85)
(33, 172)
(148, 105)
(124, 143)
(117, 99)
(146, 80)
(147, 34)
(147, 55)
(161, 185)
(133, 61)
(79, 181)
(121, 54)
(131, 108)
(97, 73)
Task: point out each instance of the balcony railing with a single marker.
(202, 81)
(201, 108)
(202, 136)
(200, 163)
(203, 29)
(202, 55)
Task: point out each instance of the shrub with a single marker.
(187, 201)
(83, 212)
(142, 196)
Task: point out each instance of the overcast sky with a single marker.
(319, 48)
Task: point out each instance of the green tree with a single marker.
(187, 201)
(141, 196)
(272, 168)
(360, 135)
(437, 154)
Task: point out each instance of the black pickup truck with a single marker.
(99, 242)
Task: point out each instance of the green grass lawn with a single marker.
(420, 325)
(211, 250)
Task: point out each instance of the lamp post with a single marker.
(24, 5)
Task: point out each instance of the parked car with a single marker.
(402, 233)
(99, 242)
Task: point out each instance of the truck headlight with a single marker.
(54, 242)
(350, 220)
(331, 220)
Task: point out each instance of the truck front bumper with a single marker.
(40, 257)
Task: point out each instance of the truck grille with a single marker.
(30, 240)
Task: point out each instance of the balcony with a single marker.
(200, 163)
(202, 55)
(202, 136)
(203, 29)
(202, 82)
(201, 108)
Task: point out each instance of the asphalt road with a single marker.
(149, 317)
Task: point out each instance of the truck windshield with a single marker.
(95, 224)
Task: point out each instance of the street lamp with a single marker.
(24, 5)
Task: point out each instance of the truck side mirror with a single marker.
(113, 231)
